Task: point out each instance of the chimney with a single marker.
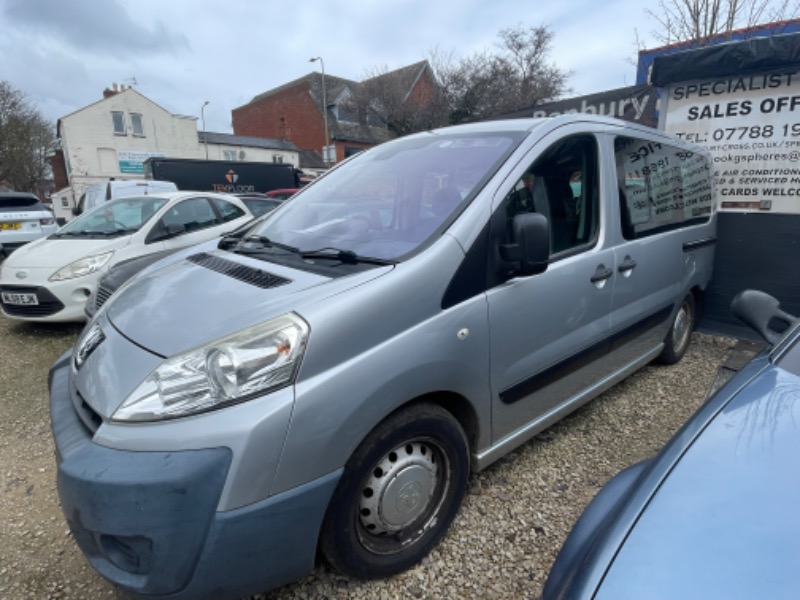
(115, 89)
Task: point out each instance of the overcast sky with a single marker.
(62, 53)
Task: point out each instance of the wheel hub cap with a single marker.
(399, 489)
(681, 330)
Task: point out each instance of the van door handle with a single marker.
(601, 274)
(627, 265)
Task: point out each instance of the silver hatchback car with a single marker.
(23, 218)
(328, 383)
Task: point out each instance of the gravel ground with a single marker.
(513, 521)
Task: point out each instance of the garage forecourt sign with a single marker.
(751, 125)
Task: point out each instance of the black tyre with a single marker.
(680, 333)
(398, 495)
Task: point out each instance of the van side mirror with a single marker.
(76, 210)
(530, 243)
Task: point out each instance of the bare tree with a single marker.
(524, 59)
(706, 20)
(389, 98)
(26, 141)
(466, 87)
(517, 75)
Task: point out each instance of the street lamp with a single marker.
(324, 108)
(203, 117)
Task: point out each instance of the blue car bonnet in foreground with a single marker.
(714, 515)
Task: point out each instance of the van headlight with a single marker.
(82, 267)
(252, 362)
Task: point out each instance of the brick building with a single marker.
(294, 111)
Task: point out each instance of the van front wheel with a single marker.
(398, 495)
(680, 333)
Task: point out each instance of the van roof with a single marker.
(142, 183)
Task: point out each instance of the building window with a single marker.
(118, 119)
(277, 158)
(137, 124)
(229, 155)
(346, 112)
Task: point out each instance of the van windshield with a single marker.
(390, 200)
(122, 216)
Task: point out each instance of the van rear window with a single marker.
(661, 187)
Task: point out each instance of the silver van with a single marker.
(327, 384)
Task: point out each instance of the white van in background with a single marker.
(63, 201)
(100, 192)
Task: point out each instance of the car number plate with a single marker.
(21, 299)
(10, 225)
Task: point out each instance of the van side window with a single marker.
(193, 214)
(562, 185)
(661, 187)
(228, 211)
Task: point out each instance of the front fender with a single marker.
(337, 408)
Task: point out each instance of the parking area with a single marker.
(514, 519)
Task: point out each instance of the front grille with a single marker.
(250, 275)
(48, 303)
(103, 294)
(88, 416)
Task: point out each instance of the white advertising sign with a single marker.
(751, 126)
(132, 161)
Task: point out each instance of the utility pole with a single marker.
(325, 151)
(203, 118)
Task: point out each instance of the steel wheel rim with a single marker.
(401, 497)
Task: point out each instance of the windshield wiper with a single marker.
(73, 233)
(112, 233)
(89, 233)
(265, 243)
(345, 256)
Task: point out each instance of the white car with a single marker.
(23, 218)
(51, 278)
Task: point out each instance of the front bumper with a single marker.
(48, 305)
(148, 521)
(57, 300)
